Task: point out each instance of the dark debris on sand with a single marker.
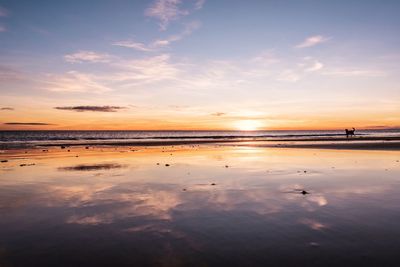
(26, 164)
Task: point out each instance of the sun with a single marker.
(248, 125)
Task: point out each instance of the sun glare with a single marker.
(248, 125)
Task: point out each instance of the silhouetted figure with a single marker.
(350, 132)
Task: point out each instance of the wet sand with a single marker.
(199, 205)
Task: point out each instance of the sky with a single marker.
(199, 64)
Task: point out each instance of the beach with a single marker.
(247, 203)
(199, 133)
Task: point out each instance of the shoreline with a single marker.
(382, 145)
(357, 143)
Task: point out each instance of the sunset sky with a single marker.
(199, 64)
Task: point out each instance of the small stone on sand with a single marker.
(314, 244)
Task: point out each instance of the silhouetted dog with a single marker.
(350, 132)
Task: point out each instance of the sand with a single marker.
(222, 204)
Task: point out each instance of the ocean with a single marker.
(23, 138)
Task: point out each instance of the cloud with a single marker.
(189, 28)
(6, 108)
(120, 74)
(355, 73)
(315, 67)
(74, 81)
(312, 41)
(166, 11)
(155, 45)
(265, 58)
(9, 74)
(289, 76)
(199, 4)
(3, 28)
(92, 108)
(27, 123)
(144, 71)
(86, 56)
(218, 114)
(4, 12)
(132, 44)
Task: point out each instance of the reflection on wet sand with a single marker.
(252, 213)
(95, 167)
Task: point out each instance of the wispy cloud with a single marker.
(74, 81)
(28, 123)
(313, 41)
(355, 73)
(92, 108)
(3, 28)
(146, 70)
(265, 58)
(86, 56)
(9, 74)
(316, 65)
(189, 28)
(4, 12)
(159, 43)
(133, 44)
(6, 108)
(199, 4)
(305, 67)
(289, 75)
(166, 11)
